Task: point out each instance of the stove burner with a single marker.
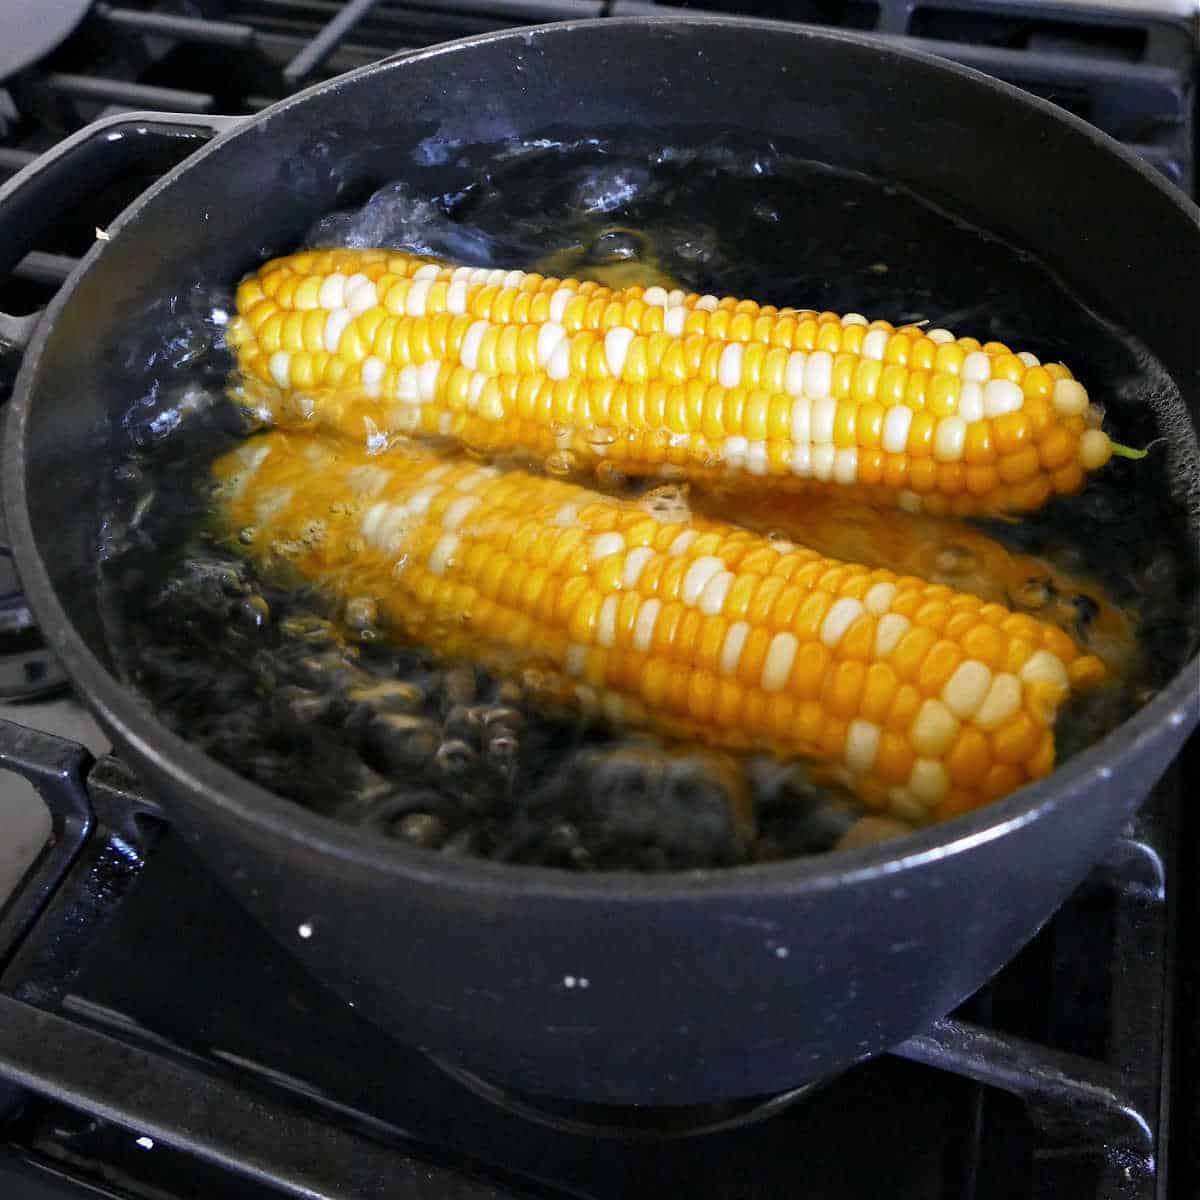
(631, 1123)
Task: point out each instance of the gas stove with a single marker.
(155, 1043)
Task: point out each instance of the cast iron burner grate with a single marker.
(1127, 68)
(153, 1043)
(155, 1040)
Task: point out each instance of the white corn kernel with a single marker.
(734, 452)
(456, 298)
(335, 326)
(606, 622)
(635, 564)
(802, 460)
(822, 462)
(970, 403)
(1002, 702)
(427, 271)
(559, 364)
(443, 553)
(1044, 667)
(845, 466)
(372, 373)
(697, 578)
(673, 320)
(280, 365)
(469, 354)
(967, 688)
(818, 374)
(891, 628)
(457, 511)
(712, 599)
(801, 420)
(928, 781)
(616, 348)
(1095, 449)
(333, 291)
(680, 546)
(841, 615)
(731, 648)
(575, 660)
(606, 544)
(862, 745)
(1030, 360)
(559, 302)
(949, 438)
(777, 666)
(853, 319)
(548, 338)
(729, 366)
(1070, 398)
(824, 413)
(420, 501)
(417, 299)
(933, 730)
(656, 296)
(976, 368)
(875, 344)
(895, 428)
(757, 460)
(793, 379)
(361, 294)
(940, 336)
(1001, 396)
(707, 303)
(879, 599)
(427, 377)
(643, 627)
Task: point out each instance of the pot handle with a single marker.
(39, 194)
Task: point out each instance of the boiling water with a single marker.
(317, 704)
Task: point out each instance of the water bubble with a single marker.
(615, 245)
(1033, 594)
(403, 741)
(422, 829)
(361, 614)
(454, 759)
(560, 462)
(610, 477)
(954, 560)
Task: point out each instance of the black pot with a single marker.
(667, 989)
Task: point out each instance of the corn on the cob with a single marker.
(376, 342)
(925, 701)
(940, 550)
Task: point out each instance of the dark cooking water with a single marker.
(318, 706)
